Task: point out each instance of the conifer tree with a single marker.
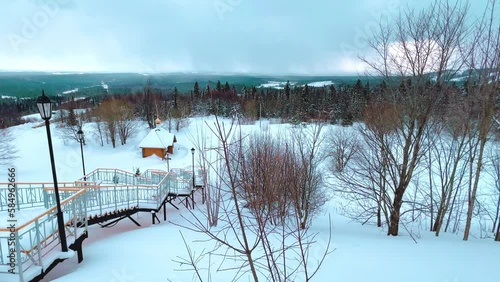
(196, 90)
(227, 88)
(176, 97)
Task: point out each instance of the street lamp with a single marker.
(168, 161)
(45, 108)
(192, 190)
(192, 153)
(80, 138)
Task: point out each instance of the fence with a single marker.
(103, 190)
(32, 242)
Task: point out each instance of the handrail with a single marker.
(157, 171)
(83, 189)
(110, 169)
(35, 183)
(149, 189)
(101, 186)
(81, 192)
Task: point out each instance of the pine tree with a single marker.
(254, 93)
(305, 103)
(196, 90)
(287, 90)
(227, 88)
(233, 89)
(176, 96)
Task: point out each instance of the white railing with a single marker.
(30, 194)
(31, 242)
(104, 190)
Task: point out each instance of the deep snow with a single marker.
(129, 253)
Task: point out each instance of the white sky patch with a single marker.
(424, 54)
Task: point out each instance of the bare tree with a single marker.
(69, 128)
(344, 144)
(410, 50)
(483, 59)
(269, 173)
(368, 181)
(117, 118)
(212, 165)
(494, 171)
(448, 154)
(310, 195)
(99, 129)
(180, 115)
(125, 125)
(246, 234)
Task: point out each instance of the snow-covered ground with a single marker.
(281, 84)
(104, 85)
(275, 84)
(70, 91)
(320, 83)
(126, 252)
(67, 73)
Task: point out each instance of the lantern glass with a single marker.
(44, 106)
(80, 135)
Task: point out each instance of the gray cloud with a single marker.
(255, 36)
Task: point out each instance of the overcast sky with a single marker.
(244, 36)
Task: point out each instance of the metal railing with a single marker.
(31, 194)
(31, 242)
(104, 190)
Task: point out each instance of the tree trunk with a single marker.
(497, 238)
(379, 219)
(395, 213)
(433, 227)
(439, 219)
(472, 198)
(451, 210)
(497, 217)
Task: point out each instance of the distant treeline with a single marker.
(336, 103)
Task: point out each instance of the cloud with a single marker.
(255, 36)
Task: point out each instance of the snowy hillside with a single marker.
(126, 252)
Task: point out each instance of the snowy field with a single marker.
(126, 252)
(281, 84)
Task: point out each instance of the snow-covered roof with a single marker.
(157, 138)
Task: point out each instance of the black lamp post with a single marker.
(192, 153)
(192, 190)
(168, 161)
(45, 108)
(80, 138)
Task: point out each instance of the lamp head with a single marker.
(80, 134)
(44, 106)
